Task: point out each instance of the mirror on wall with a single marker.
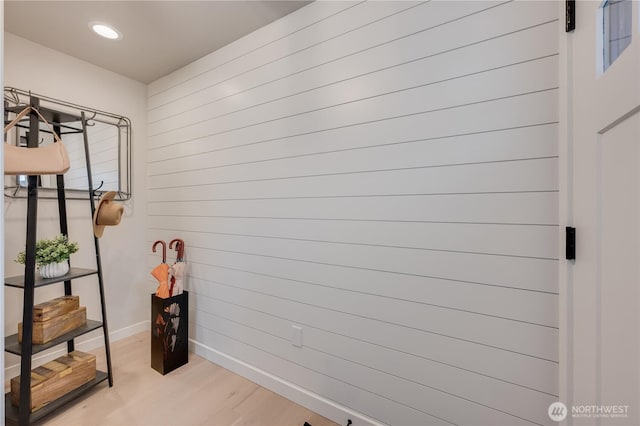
(109, 147)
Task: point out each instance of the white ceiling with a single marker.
(158, 36)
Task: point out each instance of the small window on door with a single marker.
(616, 29)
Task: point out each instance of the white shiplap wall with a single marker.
(384, 175)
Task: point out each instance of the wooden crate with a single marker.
(46, 331)
(56, 307)
(56, 378)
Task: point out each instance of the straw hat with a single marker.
(107, 213)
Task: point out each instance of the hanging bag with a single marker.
(45, 160)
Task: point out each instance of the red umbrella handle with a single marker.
(164, 249)
(179, 247)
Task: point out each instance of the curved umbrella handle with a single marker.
(179, 247)
(181, 254)
(164, 249)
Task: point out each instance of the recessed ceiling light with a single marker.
(105, 30)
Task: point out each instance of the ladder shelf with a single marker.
(28, 282)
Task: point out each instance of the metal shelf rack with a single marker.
(28, 282)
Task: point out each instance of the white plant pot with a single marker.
(54, 270)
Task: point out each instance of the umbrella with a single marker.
(177, 269)
(161, 272)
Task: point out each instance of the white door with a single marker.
(600, 350)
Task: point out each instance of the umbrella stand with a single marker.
(169, 313)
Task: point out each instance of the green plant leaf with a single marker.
(53, 250)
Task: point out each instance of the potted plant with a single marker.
(52, 256)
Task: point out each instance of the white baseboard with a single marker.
(88, 342)
(314, 402)
(295, 393)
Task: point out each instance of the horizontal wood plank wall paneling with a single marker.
(384, 176)
(252, 43)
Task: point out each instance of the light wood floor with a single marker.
(199, 393)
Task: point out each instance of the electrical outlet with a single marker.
(296, 336)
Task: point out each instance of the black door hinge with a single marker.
(570, 15)
(571, 243)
